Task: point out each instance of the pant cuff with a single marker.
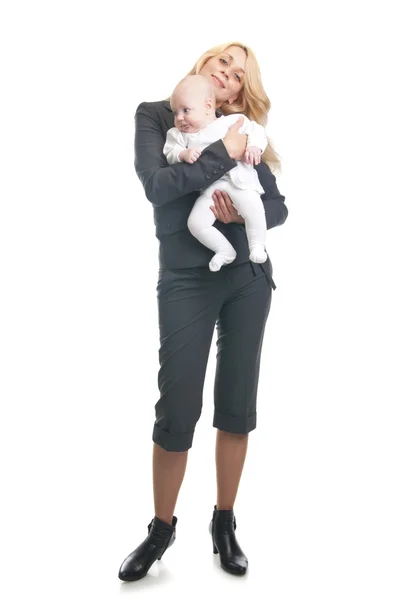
(235, 424)
(173, 442)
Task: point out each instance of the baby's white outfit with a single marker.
(241, 183)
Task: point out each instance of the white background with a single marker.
(316, 510)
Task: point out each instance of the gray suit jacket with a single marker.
(173, 189)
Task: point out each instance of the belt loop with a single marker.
(272, 282)
(268, 276)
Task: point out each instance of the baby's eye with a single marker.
(186, 110)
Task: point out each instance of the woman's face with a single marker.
(226, 72)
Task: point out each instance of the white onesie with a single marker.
(241, 183)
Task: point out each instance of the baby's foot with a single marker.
(258, 254)
(219, 260)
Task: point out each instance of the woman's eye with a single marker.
(237, 77)
(224, 62)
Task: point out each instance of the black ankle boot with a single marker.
(222, 529)
(160, 536)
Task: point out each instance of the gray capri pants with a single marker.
(191, 302)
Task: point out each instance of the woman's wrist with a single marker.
(229, 148)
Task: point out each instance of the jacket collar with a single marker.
(166, 104)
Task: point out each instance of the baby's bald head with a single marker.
(193, 103)
(197, 85)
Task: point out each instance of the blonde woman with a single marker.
(192, 301)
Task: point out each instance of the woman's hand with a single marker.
(236, 142)
(223, 208)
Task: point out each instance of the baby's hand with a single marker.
(253, 155)
(190, 155)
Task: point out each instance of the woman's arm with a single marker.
(274, 203)
(163, 182)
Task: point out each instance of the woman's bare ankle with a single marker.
(164, 518)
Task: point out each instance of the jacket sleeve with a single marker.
(173, 146)
(274, 203)
(162, 182)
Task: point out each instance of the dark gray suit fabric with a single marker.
(192, 300)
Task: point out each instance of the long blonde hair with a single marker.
(252, 100)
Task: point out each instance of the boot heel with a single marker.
(215, 551)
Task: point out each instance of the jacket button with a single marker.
(207, 176)
(221, 167)
(214, 172)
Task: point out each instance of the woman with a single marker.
(192, 300)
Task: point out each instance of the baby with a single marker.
(197, 126)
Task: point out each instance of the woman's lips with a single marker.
(219, 82)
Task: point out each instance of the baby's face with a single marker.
(190, 112)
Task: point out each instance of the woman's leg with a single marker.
(240, 330)
(240, 334)
(189, 301)
(168, 474)
(231, 451)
